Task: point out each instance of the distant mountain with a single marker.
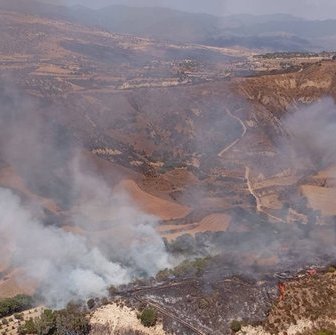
(192, 6)
(278, 32)
(302, 28)
(273, 42)
(155, 22)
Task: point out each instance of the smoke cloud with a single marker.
(312, 134)
(295, 234)
(68, 266)
(107, 240)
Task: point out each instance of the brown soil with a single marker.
(164, 209)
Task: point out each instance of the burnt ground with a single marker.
(211, 306)
(208, 303)
(203, 306)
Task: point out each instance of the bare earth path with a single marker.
(244, 130)
(247, 169)
(258, 201)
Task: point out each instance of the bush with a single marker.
(148, 317)
(91, 303)
(18, 316)
(104, 301)
(28, 328)
(235, 326)
(191, 267)
(325, 332)
(71, 320)
(17, 304)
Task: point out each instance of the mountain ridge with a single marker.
(179, 26)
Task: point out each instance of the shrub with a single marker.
(148, 317)
(235, 326)
(71, 320)
(325, 332)
(91, 303)
(28, 328)
(18, 316)
(104, 301)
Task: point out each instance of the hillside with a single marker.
(206, 156)
(119, 147)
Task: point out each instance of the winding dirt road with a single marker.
(258, 201)
(247, 169)
(251, 190)
(244, 130)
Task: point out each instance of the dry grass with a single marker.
(321, 198)
(13, 324)
(308, 305)
(114, 319)
(211, 223)
(164, 209)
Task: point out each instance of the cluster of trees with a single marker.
(195, 267)
(289, 55)
(16, 304)
(106, 330)
(71, 320)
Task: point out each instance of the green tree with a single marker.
(148, 317)
(71, 320)
(235, 326)
(16, 304)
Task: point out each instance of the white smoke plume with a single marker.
(70, 266)
(101, 238)
(312, 135)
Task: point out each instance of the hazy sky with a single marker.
(317, 9)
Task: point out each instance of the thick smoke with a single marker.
(66, 265)
(107, 240)
(311, 135)
(288, 237)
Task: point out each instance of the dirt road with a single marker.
(258, 201)
(244, 130)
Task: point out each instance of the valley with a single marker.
(219, 160)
